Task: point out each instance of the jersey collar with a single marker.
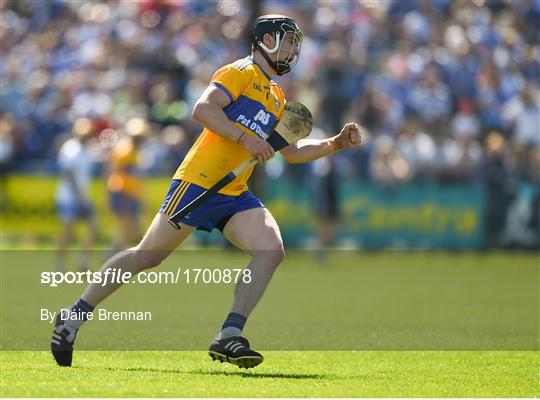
(261, 68)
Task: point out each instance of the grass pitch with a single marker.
(482, 309)
(283, 374)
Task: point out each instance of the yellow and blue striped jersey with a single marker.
(256, 104)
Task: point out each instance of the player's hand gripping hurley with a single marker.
(295, 124)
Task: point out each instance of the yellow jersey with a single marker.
(256, 104)
(123, 165)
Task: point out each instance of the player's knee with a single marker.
(147, 259)
(277, 251)
(273, 251)
(277, 255)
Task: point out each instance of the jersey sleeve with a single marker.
(231, 80)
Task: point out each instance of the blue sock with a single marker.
(81, 308)
(233, 326)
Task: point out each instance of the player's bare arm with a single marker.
(209, 111)
(307, 150)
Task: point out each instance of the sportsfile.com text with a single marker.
(117, 276)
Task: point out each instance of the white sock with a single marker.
(228, 332)
(78, 313)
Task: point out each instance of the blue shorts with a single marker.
(123, 204)
(215, 212)
(72, 211)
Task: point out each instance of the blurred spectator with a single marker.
(380, 111)
(419, 150)
(7, 150)
(337, 85)
(498, 181)
(388, 166)
(527, 122)
(124, 183)
(73, 200)
(459, 160)
(430, 99)
(522, 226)
(463, 68)
(326, 182)
(465, 123)
(176, 142)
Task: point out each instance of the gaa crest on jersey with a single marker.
(276, 104)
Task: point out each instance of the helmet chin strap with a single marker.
(280, 68)
(273, 64)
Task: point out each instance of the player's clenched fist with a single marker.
(349, 136)
(257, 146)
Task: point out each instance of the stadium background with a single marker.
(448, 89)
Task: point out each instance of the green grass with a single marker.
(283, 374)
(353, 301)
(390, 315)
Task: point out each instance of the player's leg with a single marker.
(156, 245)
(256, 232)
(159, 241)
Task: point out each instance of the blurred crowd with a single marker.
(448, 89)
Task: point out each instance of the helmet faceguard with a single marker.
(277, 26)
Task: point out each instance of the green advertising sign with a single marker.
(377, 217)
